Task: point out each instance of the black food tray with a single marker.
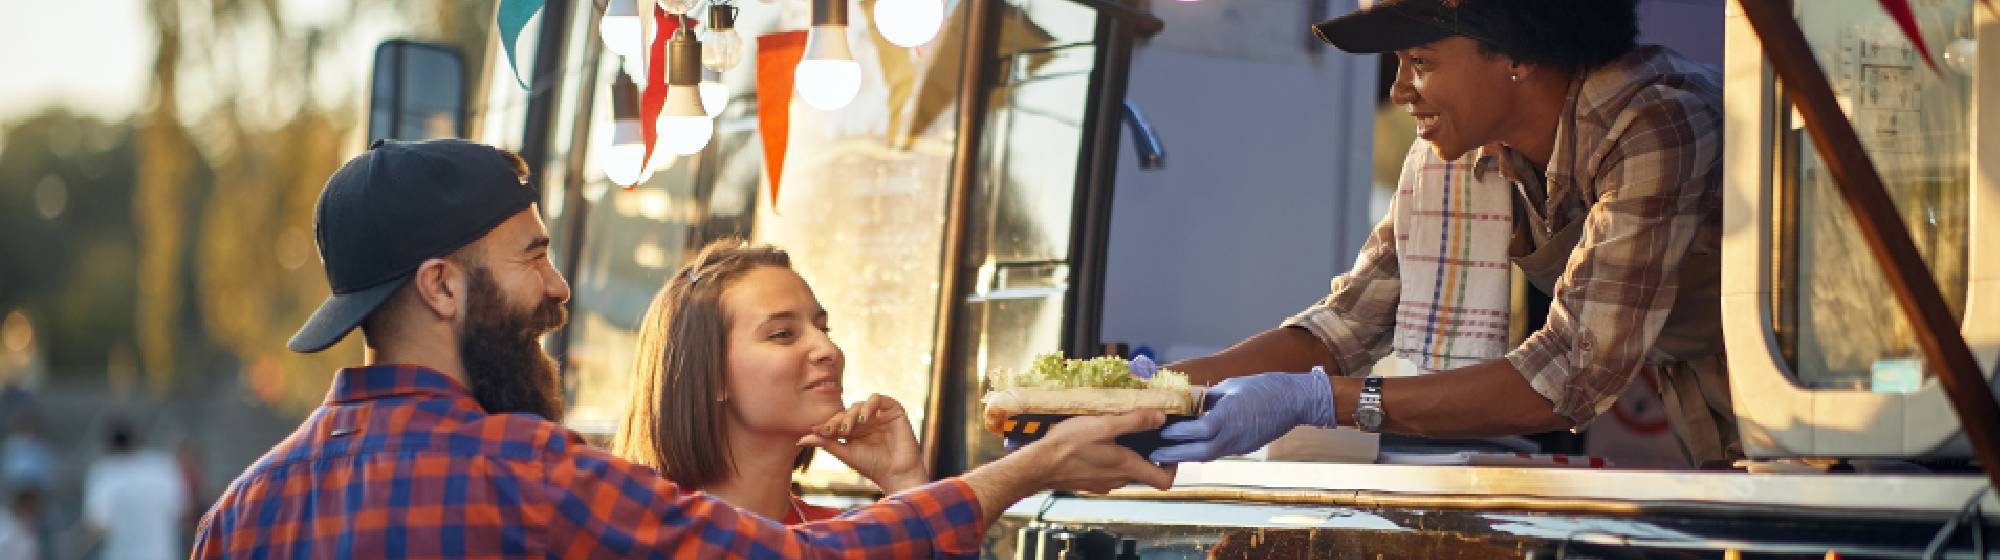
(1025, 428)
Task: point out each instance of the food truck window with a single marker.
(632, 239)
(1019, 230)
(860, 209)
(418, 92)
(1831, 315)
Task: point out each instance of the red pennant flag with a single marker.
(654, 97)
(1907, 20)
(778, 55)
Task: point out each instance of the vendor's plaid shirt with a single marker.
(1638, 158)
(400, 462)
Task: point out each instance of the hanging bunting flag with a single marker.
(654, 97)
(511, 18)
(898, 68)
(1899, 10)
(778, 55)
(937, 90)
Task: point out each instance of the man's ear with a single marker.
(1525, 70)
(440, 287)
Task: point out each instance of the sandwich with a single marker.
(1055, 388)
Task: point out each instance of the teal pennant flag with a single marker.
(512, 18)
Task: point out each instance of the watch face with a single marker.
(1369, 419)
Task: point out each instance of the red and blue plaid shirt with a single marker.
(400, 462)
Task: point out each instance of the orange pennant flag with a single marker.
(778, 55)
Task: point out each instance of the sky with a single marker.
(45, 62)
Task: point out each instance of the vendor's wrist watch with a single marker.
(1368, 415)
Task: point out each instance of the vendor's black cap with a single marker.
(1391, 25)
(390, 209)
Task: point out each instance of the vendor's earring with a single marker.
(1514, 77)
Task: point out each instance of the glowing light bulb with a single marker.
(620, 28)
(828, 77)
(624, 157)
(909, 23)
(685, 135)
(722, 50)
(828, 84)
(624, 161)
(721, 45)
(1961, 56)
(714, 95)
(684, 124)
(678, 6)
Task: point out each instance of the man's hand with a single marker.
(874, 437)
(1252, 411)
(1077, 454)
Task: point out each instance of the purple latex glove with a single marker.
(1252, 411)
(1143, 367)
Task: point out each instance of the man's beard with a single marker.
(503, 359)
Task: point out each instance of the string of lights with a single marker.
(827, 77)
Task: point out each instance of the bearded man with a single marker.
(446, 444)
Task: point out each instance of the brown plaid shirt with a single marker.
(1638, 162)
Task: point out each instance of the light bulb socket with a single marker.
(684, 56)
(624, 98)
(721, 17)
(829, 12)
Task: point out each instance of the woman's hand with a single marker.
(874, 437)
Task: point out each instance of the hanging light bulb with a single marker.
(684, 124)
(624, 158)
(908, 23)
(828, 77)
(678, 7)
(714, 95)
(721, 45)
(620, 28)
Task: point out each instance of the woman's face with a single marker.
(1461, 98)
(783, 371)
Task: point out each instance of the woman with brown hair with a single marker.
(736, 381)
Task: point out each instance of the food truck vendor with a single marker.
(1614, 151)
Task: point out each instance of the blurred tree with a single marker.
(166, 164)
(66, 187)
(240, 134)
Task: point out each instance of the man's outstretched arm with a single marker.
(604, 507)
(1279, 349)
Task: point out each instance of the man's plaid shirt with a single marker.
(1638, 162)
(400, 462)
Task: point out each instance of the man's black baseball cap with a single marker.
(1391, 25)
(395, 206)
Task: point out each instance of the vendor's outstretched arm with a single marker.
(1484, 400)
(1488, 399)
(1279, 349)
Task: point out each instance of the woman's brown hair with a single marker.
(675, 422)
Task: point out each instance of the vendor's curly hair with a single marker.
(1576, 34)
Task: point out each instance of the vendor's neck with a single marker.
(441, 357)
(1540, 107)
(762, 481)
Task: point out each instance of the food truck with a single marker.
(956, 216)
